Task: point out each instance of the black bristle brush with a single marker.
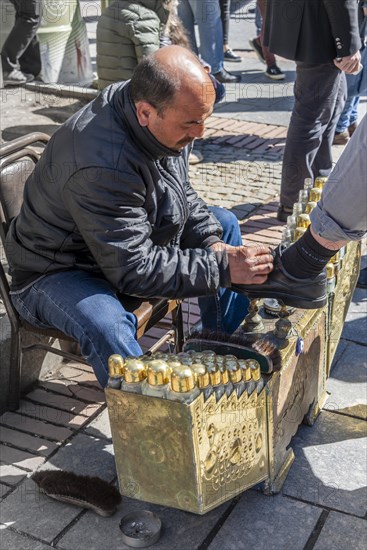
(84, 491)
(245, 344)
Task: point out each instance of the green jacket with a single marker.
(127, 32)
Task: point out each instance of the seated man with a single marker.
(109, 208)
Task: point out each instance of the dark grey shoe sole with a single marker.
(292, 301)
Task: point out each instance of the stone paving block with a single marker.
(355, 327)
(85, 455)
(4, 490)
(341, 531)
(100, 427)
(180, 530)
(48, 414)
(14, 541)
(25, 460)
(62, 402)
(11, 474)
(342, 346)
(267, 523)
(330, 465)
(29, 511)
(359, 301)
(27, 442)
(348, 383)
(36, 427)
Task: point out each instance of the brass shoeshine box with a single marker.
(192, 457)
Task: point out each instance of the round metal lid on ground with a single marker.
(140, 529)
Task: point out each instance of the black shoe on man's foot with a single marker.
(229, 55)
(226, 77)
(307, 293)
(256, 46)
(14, 78)
(275, 73)
(283, 213)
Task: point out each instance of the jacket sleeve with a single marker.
(114, 225)
(343, 18)
(145, 35)
(201, 228)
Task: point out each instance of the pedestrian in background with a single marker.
(20, 54)
(206, 14)
(263, 53)
(322, 37)
(225, 13)
(357, 85)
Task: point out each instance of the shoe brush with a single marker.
(88, 492)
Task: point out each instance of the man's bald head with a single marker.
(167, 73)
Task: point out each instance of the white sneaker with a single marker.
(14, 78)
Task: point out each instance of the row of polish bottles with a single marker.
(299, 221)
(184, 376)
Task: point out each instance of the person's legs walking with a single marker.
(225, 310)
(187, 17)
(316, 90)
(27, 21)
(207, 17)
(85, 307)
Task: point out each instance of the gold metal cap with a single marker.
(330, 271)
(255, 369)
(320, 182)
(172, 363)
(157, 372)
(246, 374)
(315, 194)
(115, 365)
(336, 258)
(310, 206)
(214, 375)
(303, 220)
(134, 371)
(299, 232)
(182, 379)
(201, 375)
(235, 375)
(224, 376)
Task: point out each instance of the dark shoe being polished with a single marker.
(283, 213)
(307, 293)
(226, 77)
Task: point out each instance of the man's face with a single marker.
(183, 121)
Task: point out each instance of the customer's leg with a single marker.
(225, 310)
(28, 18)
(86, 308)
(316, 90)
(207, 17)
(341, 213)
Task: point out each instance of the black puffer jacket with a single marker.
(107, 197)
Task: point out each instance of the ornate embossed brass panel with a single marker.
(193, 457)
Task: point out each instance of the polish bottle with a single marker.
(216, 381)
(315, 194)
(320, 182)
(330, 277)
(202, 380)
(256, 375)
(310, 206)
(157, 381)
(134, 374)
(115, 371)
(182, 387)
(247, 376)
(235, 376)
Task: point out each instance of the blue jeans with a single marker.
(357, 85)
(85, 306)
(206, 14)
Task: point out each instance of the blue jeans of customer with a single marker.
(206, 14)
(357, 86)
(85, 307)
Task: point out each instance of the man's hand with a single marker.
(349, 64)
(247, 264)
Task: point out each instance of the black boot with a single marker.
(226, 77)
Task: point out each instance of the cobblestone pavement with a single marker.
(63, 423)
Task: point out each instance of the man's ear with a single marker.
(144, 112)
